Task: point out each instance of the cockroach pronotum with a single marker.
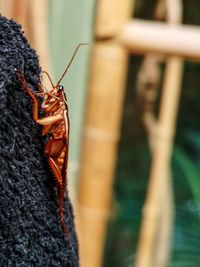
(56, 126)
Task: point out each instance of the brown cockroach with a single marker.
(56, 126)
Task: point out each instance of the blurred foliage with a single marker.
(133, 166)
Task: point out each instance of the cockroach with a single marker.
(56, 127)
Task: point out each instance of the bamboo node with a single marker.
(101, 135)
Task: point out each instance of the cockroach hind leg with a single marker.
(61, 210)
(58, 177)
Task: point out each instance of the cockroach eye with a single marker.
(60, 88)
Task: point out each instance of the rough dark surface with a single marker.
(30, 230)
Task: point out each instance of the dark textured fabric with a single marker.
(30, 229)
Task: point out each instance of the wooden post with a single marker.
(20, 13)
(158, 211)
(111, 17)
(160, 165)
(39, 33)
(102, 126)
(101, 134)
(33, 16)
(6, 8)
(158, 37)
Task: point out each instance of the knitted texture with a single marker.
(30, 228)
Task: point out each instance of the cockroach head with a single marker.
(60, 88)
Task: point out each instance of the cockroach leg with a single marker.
(50, 119)
(59, 180)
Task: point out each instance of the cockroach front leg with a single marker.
(43, 121)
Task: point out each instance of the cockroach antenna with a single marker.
(70, 62)
(49, 77)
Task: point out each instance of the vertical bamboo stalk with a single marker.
(6, 7)
(160, 165)
(33, 16)
(111, 16)
(174, 71)
(20, 12)
(159, 194)
(108, 73)
(103, 116)
(39, 32)
(17, 10)
(164, 232)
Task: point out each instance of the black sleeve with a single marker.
(30, 228)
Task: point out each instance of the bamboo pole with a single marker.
(39, 33)
(101, 134)
(33, 16)
(104, 108)
(157, 37)
(174, 72)
(111, 16)
(20, 12)
(6, 8)
(160, 165)
(164, 231)
(159, 195)
(17, 10)
(149, 74)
